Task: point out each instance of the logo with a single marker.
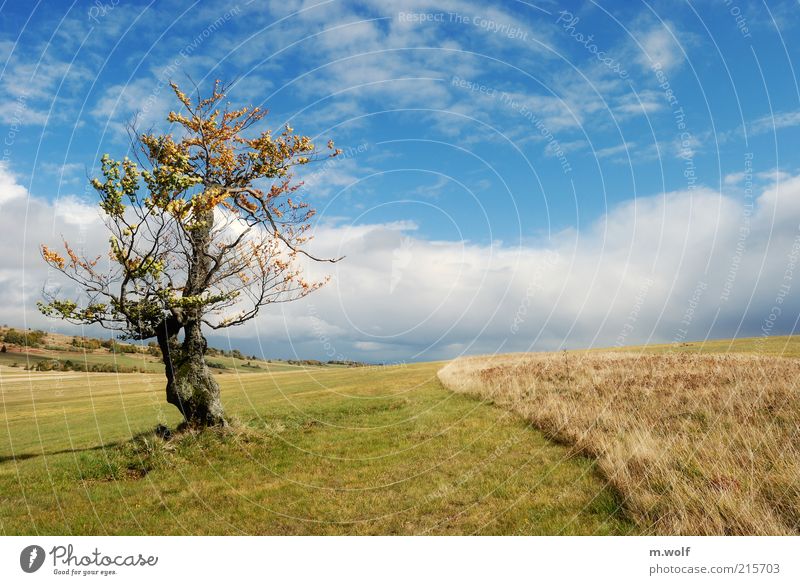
(31, 558)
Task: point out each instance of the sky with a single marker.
(516, 176)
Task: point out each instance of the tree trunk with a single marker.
(190, 385)
(192, 388)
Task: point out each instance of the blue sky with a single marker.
(479, 136)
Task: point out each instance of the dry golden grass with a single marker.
(693, 443)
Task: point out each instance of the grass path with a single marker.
(696, 443)
(324, 451)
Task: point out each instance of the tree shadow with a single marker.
(160, 430)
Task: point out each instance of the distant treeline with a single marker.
(52, 365)
(349, 364)
(36, 338)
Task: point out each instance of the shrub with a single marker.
(86, 343)
(15, 337)
(115, 347)
(36, 337)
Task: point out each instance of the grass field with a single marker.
(669, 439)
(779, 346)
(694, 442)
(317, 451)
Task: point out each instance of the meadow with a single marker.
(691, 438)
(375, 450)
(693, 441)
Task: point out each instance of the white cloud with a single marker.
(658, 46)
(733, 178)
(39, 85)
(631, 276)
(26, 223)
(774, 122)
(74, 211)
(775, 175)
(642, 103)
(9, 188)
(145, 102)
(624, 148)
(333, 176)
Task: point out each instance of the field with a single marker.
(315, 451)
(693, 438)
(693, 442)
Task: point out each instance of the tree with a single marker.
(205, 230)
(16, 337)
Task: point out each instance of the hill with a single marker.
(43, 351)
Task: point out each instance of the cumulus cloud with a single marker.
(669, 267)
(26, 223)
(658, 46)
(10, 190)
(666, 268)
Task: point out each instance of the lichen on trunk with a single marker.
(190, 386)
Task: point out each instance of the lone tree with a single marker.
(203, 233)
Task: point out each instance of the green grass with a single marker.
(318, 451)
(782, 346)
